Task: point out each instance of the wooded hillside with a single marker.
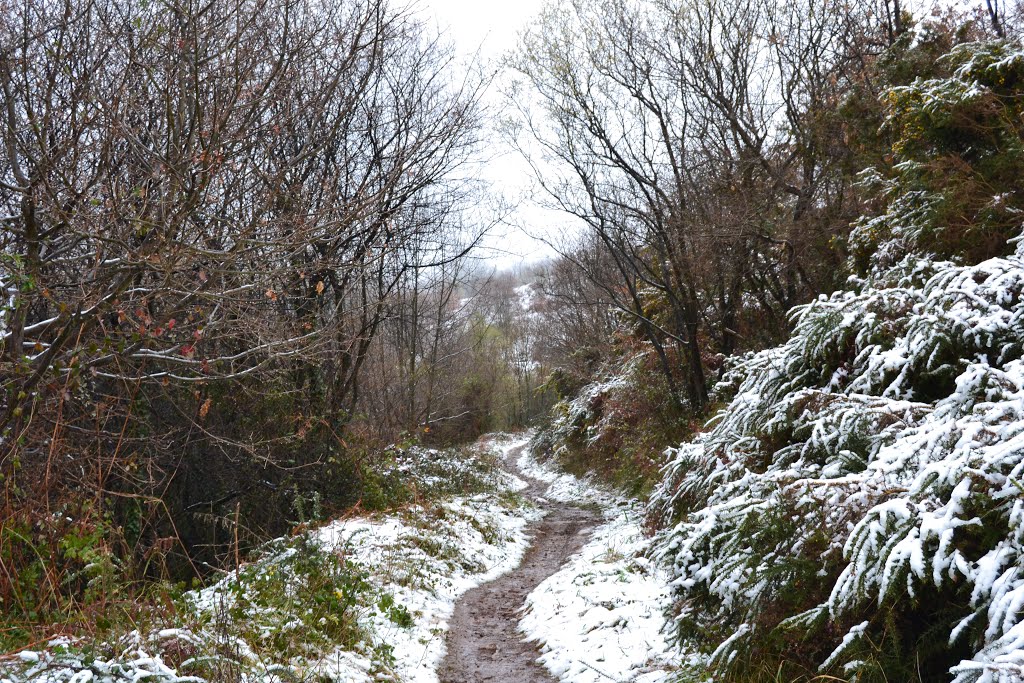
(240, 281)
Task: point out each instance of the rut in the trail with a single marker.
(484, 643)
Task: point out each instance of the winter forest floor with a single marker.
(517, 574)
(484, 641)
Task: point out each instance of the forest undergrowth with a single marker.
(352, 598)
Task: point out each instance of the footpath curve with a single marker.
(484, 642)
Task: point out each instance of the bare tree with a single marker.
(208, 208)
(694, 141)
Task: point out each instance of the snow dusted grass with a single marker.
(360, 599)
(600, 618)
(430, 560)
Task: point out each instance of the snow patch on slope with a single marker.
(484, 556)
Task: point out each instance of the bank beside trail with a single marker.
(373, 597)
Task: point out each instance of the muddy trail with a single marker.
(484, 643)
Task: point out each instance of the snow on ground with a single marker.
(600, 617)
(489, 542)
(415, 564)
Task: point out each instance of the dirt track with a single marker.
(483, 641)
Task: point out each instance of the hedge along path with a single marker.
(484, 642)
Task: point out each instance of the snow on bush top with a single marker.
(879, 453)
(859, 505)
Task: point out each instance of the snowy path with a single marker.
(484, 643)
(584, 596)
(600, 617)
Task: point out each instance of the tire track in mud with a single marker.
(483, 641)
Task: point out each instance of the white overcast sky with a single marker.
(492, 25)
(493, 28)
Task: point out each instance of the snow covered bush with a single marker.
(873, 461)
(616, 426)
(954, 189)
(857, 510)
